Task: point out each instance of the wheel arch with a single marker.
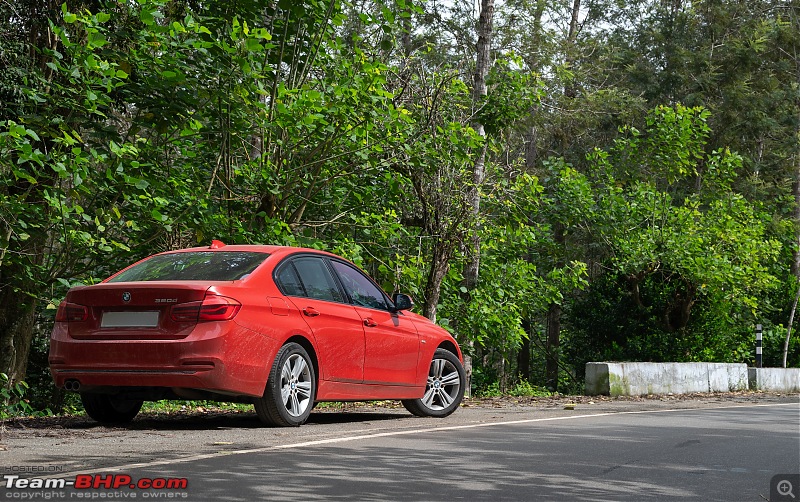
(451, 347)
(312, 353)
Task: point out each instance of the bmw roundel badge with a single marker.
(126, 296)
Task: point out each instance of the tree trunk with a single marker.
(17, 317)
(553, 342)
(554, 311)
(17, 292)
(17, 300)
(440, 264)
(405, 39)
(569, 90)
(796, 193)
(524, 355)
(791, 322)
(531, 158)
(471, 269)
(796, 260)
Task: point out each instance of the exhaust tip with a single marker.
(72, 385)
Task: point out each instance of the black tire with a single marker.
(445, 388)
(291, 389)
(110, 408)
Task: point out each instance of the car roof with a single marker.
(253, 248)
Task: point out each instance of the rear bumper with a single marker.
(218, 357)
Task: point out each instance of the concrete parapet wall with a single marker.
(774, 379)
(637, 379)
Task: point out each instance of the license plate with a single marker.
(145, 319)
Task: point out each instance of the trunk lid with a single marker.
(134, 310)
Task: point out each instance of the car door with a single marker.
(392, 342)
(338, 329)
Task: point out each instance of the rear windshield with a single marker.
(194, 266)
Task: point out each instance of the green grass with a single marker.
(170, 407)
(521, 389)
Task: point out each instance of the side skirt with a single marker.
(343, 391)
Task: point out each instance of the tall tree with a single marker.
(479, 91)
(792, 51)
(26, 36)
(554, 311)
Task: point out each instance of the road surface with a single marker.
(658, 449)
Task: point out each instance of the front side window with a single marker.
(362, 290)
(194, 266)
(317, 279)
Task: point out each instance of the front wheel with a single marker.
(110, 408)
(445, 388)
(289, 395)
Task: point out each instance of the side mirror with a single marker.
(402, 302)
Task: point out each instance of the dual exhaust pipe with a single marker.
(72, 385)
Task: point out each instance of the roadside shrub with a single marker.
(12, 398)
(526, 389)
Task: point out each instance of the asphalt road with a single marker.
(653, 451)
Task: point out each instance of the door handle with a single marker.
(369, 322)
(311, 312)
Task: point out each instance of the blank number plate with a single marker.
(146, 319)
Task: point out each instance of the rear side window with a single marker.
(317, 279)
(289, 282)
(194, 266)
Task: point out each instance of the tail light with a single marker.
(212, 308)
(71, 312)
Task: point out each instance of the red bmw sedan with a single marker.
(279, 327)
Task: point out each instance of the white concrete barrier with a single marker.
(637, 379)
(774, 379)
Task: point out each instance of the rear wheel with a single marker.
(445, 388)
(291, 387)
(110, 408)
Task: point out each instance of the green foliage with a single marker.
(492, 390)
(171, 407)
(774, 337)
(14, 402)
(686, 269)
(525, 389)
(510, 98)
(612, 327)
(152, 125)
(698, 243)
(520, 389)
